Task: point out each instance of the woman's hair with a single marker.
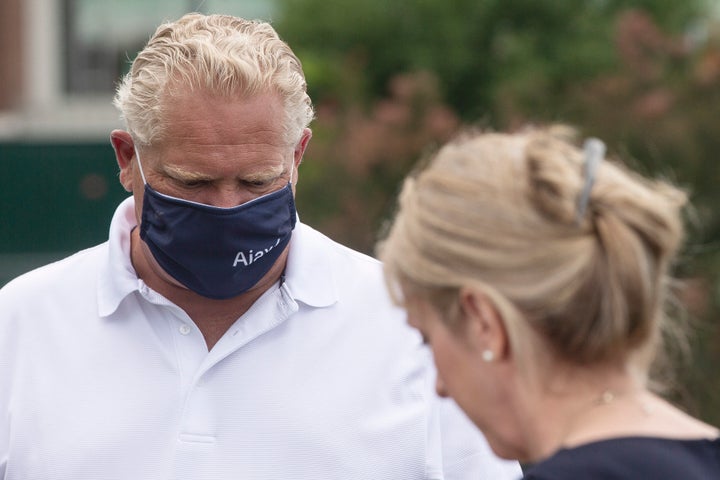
(219, 54)
(501, 212)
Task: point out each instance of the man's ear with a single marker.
(124, 148)
(485, 325)
(302, 146)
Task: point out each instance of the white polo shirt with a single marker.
(103, 378)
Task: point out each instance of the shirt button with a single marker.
(184, 329)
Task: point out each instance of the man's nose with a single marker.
(227, 196)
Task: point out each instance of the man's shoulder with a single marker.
(337, 251)
(346, 267)
(71, 273)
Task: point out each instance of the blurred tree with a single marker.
(479, 49)
(359, 155)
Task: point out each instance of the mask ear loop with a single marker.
(594, 151)
(292, 169)
(137, 154)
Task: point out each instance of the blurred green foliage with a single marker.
(477, 48)
(392, 80)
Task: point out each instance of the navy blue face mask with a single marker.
(217, 252)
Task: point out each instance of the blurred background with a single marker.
(390, 80)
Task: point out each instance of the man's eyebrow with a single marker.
(184, 174)
(264, 175)
(181, 173)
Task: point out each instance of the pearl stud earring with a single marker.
(488, 355)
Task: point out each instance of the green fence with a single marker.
(56, 198)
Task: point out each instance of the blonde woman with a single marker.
(537, 271)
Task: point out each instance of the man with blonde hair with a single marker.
(214, 335)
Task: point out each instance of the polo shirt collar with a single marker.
(117, 277)
(309, 273)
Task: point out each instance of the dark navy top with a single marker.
(633, 458)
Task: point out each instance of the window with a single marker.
(100, 37)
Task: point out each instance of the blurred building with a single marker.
(61, 60)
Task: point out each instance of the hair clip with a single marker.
(594, 152)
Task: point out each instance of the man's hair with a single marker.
(217, 54)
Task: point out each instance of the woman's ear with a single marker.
(485, 325)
